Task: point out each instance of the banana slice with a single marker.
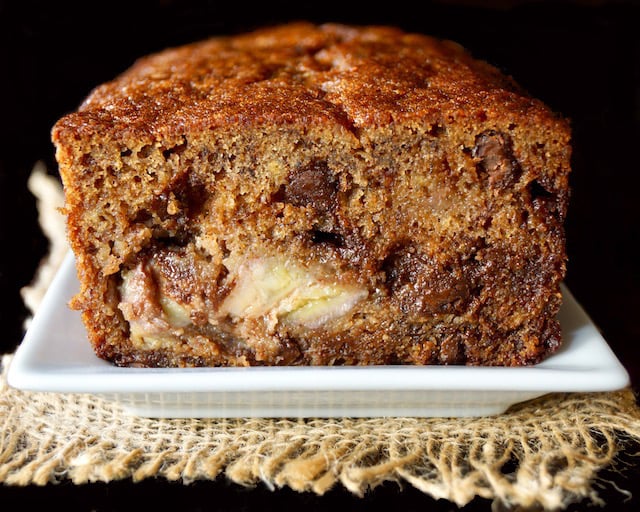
(278, 287)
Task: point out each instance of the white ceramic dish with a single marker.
(55, 356)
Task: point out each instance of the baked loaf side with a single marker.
(316, 195)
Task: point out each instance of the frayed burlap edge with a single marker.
(545, 453)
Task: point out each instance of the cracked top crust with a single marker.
(355, 77)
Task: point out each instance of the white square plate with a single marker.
(55, 356)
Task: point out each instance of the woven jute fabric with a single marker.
(548, 452)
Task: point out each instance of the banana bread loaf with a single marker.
(316, 195)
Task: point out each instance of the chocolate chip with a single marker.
(496, 163)
(422, 286)
(313, 185)
(176, 269)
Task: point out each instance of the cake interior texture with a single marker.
(316, 195)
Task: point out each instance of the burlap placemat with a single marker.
(547, 452)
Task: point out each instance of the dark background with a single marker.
(581, 58)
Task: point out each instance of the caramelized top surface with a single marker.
(357, 77)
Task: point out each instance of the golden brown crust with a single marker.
(301, 73)
(422, 179)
